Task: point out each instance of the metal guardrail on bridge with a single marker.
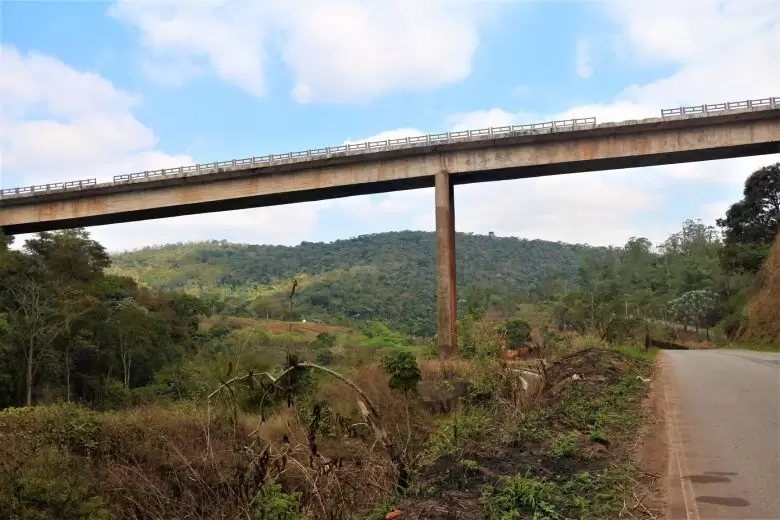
(388, 144)
(371, 146)
(771, 102)
(45, 188)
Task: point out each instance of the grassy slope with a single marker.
(570, 457)
(304, 330)
(763, 310)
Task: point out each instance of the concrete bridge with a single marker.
(686, 134)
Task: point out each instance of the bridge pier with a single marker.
(447, 315)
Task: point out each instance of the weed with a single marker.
(467, 426)
(272, 503)
(468, 465)
(583, 495)
(566, 446)
(597, 434)
(521, 495)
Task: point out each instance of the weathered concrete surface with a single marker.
(723, 423)
(445, 266)
(608, 146)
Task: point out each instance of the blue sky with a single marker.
(95, 89)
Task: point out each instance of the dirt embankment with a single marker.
(763, 310)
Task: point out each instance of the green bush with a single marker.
(403, 370)
(48, 483)
(113, 395)
(517, 332)
(274, 504)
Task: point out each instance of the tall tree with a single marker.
(751, 224)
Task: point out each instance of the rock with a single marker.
(575, 377)
(532, 382)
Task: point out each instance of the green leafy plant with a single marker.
(403, 370)
(517, 332)
(274, 504)
(566, 446)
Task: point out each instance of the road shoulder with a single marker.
(652, 452)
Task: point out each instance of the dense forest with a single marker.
(388, 276)
(69, 331)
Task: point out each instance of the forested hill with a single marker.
(389, 275)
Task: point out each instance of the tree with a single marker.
(37, 321)
(132, 333)
(6, 363)
(694, 307)
(751, 224)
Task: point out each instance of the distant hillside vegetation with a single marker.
(763, 309)
(390, 276)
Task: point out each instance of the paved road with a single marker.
(723, 424)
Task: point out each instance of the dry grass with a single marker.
(586, 341)
(763, 309)
(307, 330)
(436, 370)
(146, 463)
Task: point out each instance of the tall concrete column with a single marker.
(445, 266)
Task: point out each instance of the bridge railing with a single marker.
(367, 146)
(771, 102)
(373, 146)
(46, 188)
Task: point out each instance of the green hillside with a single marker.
(390, 276)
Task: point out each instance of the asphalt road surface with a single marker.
(723, 428)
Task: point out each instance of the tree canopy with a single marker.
(70, 331)
(750, 225)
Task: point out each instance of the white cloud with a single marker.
(389, 134)
(493, 117)
(722, 50)
(352, 49)
(583, 59)
(58, 123)
(341, 51)
(212, 35)
(692, 31)
(712, 211)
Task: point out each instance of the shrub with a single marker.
(113, 395)
(403, 370)
(517, 332)
(273, 503)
